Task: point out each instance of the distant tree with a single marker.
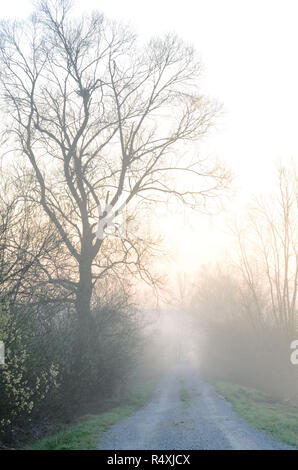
(269, 253)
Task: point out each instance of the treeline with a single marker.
(52, 373)
(246, 307)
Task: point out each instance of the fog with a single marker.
(148, 204)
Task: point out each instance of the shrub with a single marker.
(24, 381)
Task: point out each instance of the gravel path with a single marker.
(204, 421)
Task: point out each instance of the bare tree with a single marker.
(27, 243)
(269, 255)
(102, 122)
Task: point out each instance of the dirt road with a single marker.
(186, 413)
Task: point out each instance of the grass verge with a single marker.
(262, 412)
(84, 434)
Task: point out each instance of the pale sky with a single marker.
(250, 57)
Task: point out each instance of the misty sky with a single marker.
(249, 52)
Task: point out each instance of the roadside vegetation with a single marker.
(84, 434)
(246, 306)
(262, 411)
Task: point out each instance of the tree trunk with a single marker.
(83, 300)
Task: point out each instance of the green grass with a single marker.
(278, 419)
(183, 393)
(85, 433)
